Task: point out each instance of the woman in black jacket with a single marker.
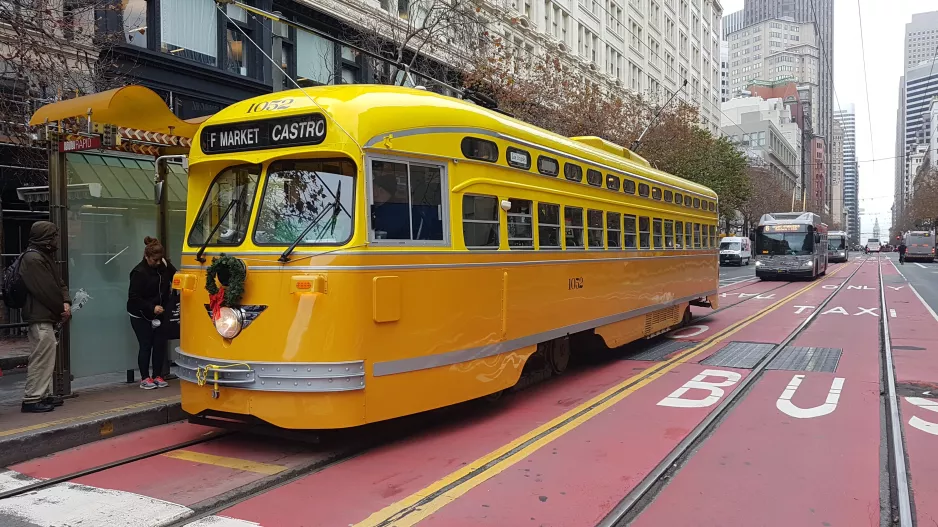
(147, 300)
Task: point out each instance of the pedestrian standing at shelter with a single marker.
(148, 307)
(901, 250)
(47, 304)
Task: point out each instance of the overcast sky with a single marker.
(883, 29)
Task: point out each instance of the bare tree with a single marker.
(420, 35)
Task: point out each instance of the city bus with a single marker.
(357, 253)
(791, 245)
(873, 245)
(920, 245)
(837, 250)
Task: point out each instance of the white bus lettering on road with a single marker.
(802, 308)
(921, 424)
(675, 400)
(839, 310)
(830, 404)
(865, 311)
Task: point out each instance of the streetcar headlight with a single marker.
(809, 264)
(229, 322)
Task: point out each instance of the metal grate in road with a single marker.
(662, 350)
(739, 355)
(798, 358)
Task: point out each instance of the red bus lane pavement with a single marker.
(425, 466)
(913, 329)
(802, 447)
(579, 477)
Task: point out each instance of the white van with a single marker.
(734, 249)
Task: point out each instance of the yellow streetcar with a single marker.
(357, 253)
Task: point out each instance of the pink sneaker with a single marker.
(160, 383)
(147, 384)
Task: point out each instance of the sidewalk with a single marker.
(106, 406)
(14, 353)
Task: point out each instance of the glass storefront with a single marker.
(106, 231)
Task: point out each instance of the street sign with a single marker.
(84, 143)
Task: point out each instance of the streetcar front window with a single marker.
(785, 243)
(307, 200)
(226, 211)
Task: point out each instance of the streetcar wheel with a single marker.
(493, 397)
(558, 355)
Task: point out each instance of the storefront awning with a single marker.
(130, 107)
(94, 176)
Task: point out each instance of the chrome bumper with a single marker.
(310, 377)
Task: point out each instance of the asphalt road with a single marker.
(923, 277)
(731, 274)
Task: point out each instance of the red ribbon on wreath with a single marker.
(214, 301)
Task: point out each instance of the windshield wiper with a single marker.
(336, 208)
(198, 255)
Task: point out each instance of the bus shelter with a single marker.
(115, 176)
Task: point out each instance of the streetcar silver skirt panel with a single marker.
(305, 377)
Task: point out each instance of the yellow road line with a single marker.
(227, 462)
(423, 503)
(102, 413)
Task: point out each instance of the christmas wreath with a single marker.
(231, 273)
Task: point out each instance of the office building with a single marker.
(836, 195)
(851, 176)
(766, 133)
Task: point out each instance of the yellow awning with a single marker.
(130, 107)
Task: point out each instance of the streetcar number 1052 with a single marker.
(575, 283)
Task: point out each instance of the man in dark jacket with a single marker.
(47, 304)
(901, 250)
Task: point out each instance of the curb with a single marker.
(11, 363)
(37, 443)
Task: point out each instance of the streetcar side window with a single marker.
(594, 177)
(696, 203)
(572, 172)
(548, 166)
(520, 224)
(644, 232)
(711, 207)
(697, 236)
(612, 182)
(629, 228)
(518, 158)
(713, 236)
(689, 235)
(668, 196)
(548, 226)
(407, 201)
(656, 226)
(628, 186)
(679, 235)
(480, 221)
(594, 229)
(613, 230)
(656, 193)
(573, 221)
(687, 201)
(678, 198)
(479, 149)
(668, 234)
(643, 190)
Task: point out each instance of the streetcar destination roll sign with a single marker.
(259, 135)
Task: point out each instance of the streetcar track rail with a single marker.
(645, 492)
(211, 435)
(900, 495)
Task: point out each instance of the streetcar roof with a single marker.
(401, 111)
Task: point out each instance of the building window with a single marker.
(315, 59)
(188, 29)
(480, 221)
(237, 46)
(134, 21)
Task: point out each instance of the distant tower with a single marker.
(876, 229)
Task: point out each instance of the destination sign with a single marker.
(282, 132)
(786, 228)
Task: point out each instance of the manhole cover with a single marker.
(662, 350)
(798, 358)
(739, 355)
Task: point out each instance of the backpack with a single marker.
(13, 287)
